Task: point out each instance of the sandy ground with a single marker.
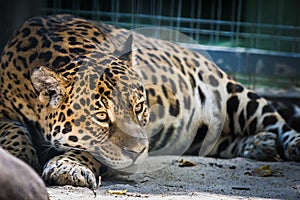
(210, 178)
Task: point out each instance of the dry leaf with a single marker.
(117, 192)
(264, 171)
(185, 163)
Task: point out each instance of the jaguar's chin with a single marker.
(135, 167)
(122, 158)
(141, 157)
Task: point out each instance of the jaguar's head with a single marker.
(97, 104)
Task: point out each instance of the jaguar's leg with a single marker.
(262, 146)
(257, 129)
(287, 139)
(290, 141)
(15, 138)
(75, 168)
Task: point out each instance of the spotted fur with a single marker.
(290, 112)
(76, 96)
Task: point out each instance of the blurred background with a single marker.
(256, 41)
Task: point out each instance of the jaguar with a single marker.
(79, 97)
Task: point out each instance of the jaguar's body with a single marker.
(107, 96)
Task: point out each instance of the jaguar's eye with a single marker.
(138, 107)
(102, 116)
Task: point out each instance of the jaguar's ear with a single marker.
(125, 51)
(49, 85)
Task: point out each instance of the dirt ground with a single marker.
(210, 178)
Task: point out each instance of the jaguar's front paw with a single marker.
(64, 171)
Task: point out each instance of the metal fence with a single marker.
(267, 30)
(261, 24)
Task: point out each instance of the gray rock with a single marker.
(18, 180)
